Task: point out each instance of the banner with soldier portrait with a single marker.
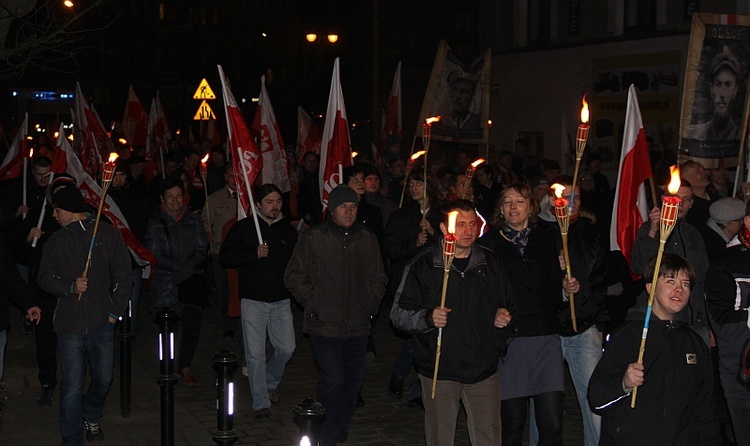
(714, 102)
(460, 95)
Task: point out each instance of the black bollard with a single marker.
(167, 320)
(225, 364)
(307, 416)
(125, 338)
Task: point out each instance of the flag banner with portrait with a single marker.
(714, 95)
(460, 95)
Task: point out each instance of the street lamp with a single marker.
(333, 38)
(312, 37)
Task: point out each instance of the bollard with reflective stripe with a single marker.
(307, 416)
(225, 364)
(167, 320)
(125, 337)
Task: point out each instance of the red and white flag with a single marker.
(630, 208)
(336, 149)
(392, 124)
(135, 120)
(308, 135)
(158, 134)
(92, 194)
(12, 166)
(272, 146)
(246, 156)
(90, 134)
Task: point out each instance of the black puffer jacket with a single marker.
(259, 279)
(14, 289)
(471, 345)
(536, 279)
(337, 275)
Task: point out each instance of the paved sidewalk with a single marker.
(383, 421)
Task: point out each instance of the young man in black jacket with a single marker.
(473, 325)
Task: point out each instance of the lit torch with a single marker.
(204, 173)
(670, 205)
(582, 137)
(109, 171)
(449, 252)
(409, 167)
(470, 174)
(426, 136)
(562, 212)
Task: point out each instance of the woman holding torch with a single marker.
(533, 367)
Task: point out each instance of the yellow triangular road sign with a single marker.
(204, 112)
(204, 91)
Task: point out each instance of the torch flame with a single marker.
(429, 121)
(477, 162)
(123, 141)
(559, 188)
(354, 154)
(417, 155)
(585, 110)
(489, 122)
(112, 157)
(452, 222)
(31, 152)
(205, 159)
(70, 137)
(674, 183)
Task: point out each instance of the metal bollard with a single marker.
(125, 337)
(307, 416)
(167, 320)
(225, 364)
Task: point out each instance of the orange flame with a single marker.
(70, 137)
(31, 152)
(489, 122)
(429, 121)
(417, 155)
(477, 162)
(674, 183)
(354, 154)
(559, 188)
(205, 159)
(585, 110)
(452, 222)
(112, 157)
(122, 141)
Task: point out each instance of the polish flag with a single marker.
(308, 135)
(392, 124)
(91, 135)
(135, 120)
(12, 166)
(336, 148)
(246, 157)
(272, 147)
(92, 194)
(630, 208)
(158, 135)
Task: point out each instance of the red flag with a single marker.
(336, 149)
(13, 165)
(271, 143)
(308, 135)
(392, 122)
(60, 159)
(246, 156)
(630, 208)
(135, 120)
(91, 135)
(92, 195)
(158, 134)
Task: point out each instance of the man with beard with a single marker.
(724, 74)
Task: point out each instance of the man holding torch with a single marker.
(88, 308)
(676, 402)
(462, 315)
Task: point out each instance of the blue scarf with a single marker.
(519, 238)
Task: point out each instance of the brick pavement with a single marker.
(383, 421)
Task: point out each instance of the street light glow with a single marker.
(68, 3)
(333, 38)
(312, 37)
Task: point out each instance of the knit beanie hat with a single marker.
(340, 195)
(69, 199)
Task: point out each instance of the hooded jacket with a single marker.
(675, 405)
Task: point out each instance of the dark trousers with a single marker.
(191, 331)
(341, 364)
(46, 343)
(548, 408)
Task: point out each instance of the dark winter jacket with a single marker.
(471, 345)
(674, 406)
(337, 275)
(110, 276)
(14, 289)
(536, 279)
(259, 279)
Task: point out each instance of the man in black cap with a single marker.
(724, 76)
(88, 308)
(335, 275)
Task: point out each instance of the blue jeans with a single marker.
(259, 318)
(341, 363)
(3, 341)
(404, 364)
(582, 352)
(75, 349)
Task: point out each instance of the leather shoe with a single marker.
(396, 387)
(187, 376)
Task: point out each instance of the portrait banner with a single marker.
(460, 95)
(714, 96)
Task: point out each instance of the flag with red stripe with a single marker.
(12, 166)
(308, 135)
(336, 148)
(246, 156)
(266, 128)
(135, 120)
(392, 124)
(630, 207)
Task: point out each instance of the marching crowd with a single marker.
(491, 328)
